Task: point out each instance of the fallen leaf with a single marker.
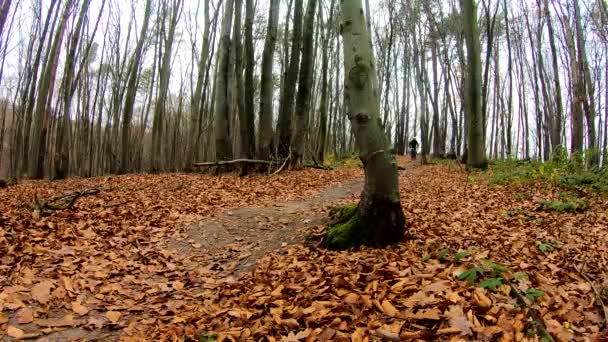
(389, 309)
(24, 316)
(80, 309)
(3, 318)
(15, 332)
(42, 291)
(457, 319)
(113, 316)
(178, 285)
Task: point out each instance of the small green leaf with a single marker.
(460, 255)
(545, 247)
(471, 275)
(532, 294)
(491, 283)
(426, 258)
(497, 268)
(519, 276)
(443, 253)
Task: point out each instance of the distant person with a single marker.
(413, 145)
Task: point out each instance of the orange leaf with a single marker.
(15, 332)
(113, 316)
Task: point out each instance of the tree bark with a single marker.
(476, 147)
(267, 84)
(379, 218)
(303, 97)
(286, 107)
(223, 145)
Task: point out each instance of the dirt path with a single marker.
(241, 236)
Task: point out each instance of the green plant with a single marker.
(533, 294)
(471, 274)
(490, 283)
(459, 256)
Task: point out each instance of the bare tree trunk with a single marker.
(249, 123)
(43, 108)
(223, 146)
(379, 219)
(304, 90)
(324, 84)
(473, 94)
(132, 74)
(286, 106)
(267, 84)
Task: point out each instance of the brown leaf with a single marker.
(15, 332)
(24, 316)
(277, 292)
(3, 318)
(558, 331)
(80, 309)
(431, 314)
(42, 291)
(178, 285)
(113, 316)
(387, 335)
(457, 319)
(389, 309)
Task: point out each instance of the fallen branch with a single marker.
(236, 161)
(61, 202)
(598, 295)
(282, 166)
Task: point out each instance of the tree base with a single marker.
(383, 225)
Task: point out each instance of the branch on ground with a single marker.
(61, 202)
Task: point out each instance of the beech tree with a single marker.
(378, 219)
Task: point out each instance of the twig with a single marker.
(598, 295)
(235, 161)
(282, 166)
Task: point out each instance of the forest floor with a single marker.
(165, 257)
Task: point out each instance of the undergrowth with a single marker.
(567, 173)
(349, 162)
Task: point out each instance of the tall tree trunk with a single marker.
(266, 84)
(223, 145)
(303, 97)
(578, 91)
(476, 147)
(164, 76)
(43, 107)
(249, 84)
(195, 106)
(244, 134)
(324, 84)
(378, 219)
(132, 74)
(286, 106)
(556, 133)
(588, 88)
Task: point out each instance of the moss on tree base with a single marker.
(348, 229)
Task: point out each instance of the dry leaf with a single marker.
(24, 316)
(113, 316)
(80, 309)
(42, 291)
(457, 319)
(389, 309)
(15, 332)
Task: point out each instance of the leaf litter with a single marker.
(111, 263)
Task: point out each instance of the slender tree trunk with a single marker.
(223, 145)
(249, 84)
(132, 74)
(43, 108)
(324, 85)
(286, 107)
(303, 97)
(473, 94)
(267, 84)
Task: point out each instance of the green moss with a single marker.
(346, 229)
